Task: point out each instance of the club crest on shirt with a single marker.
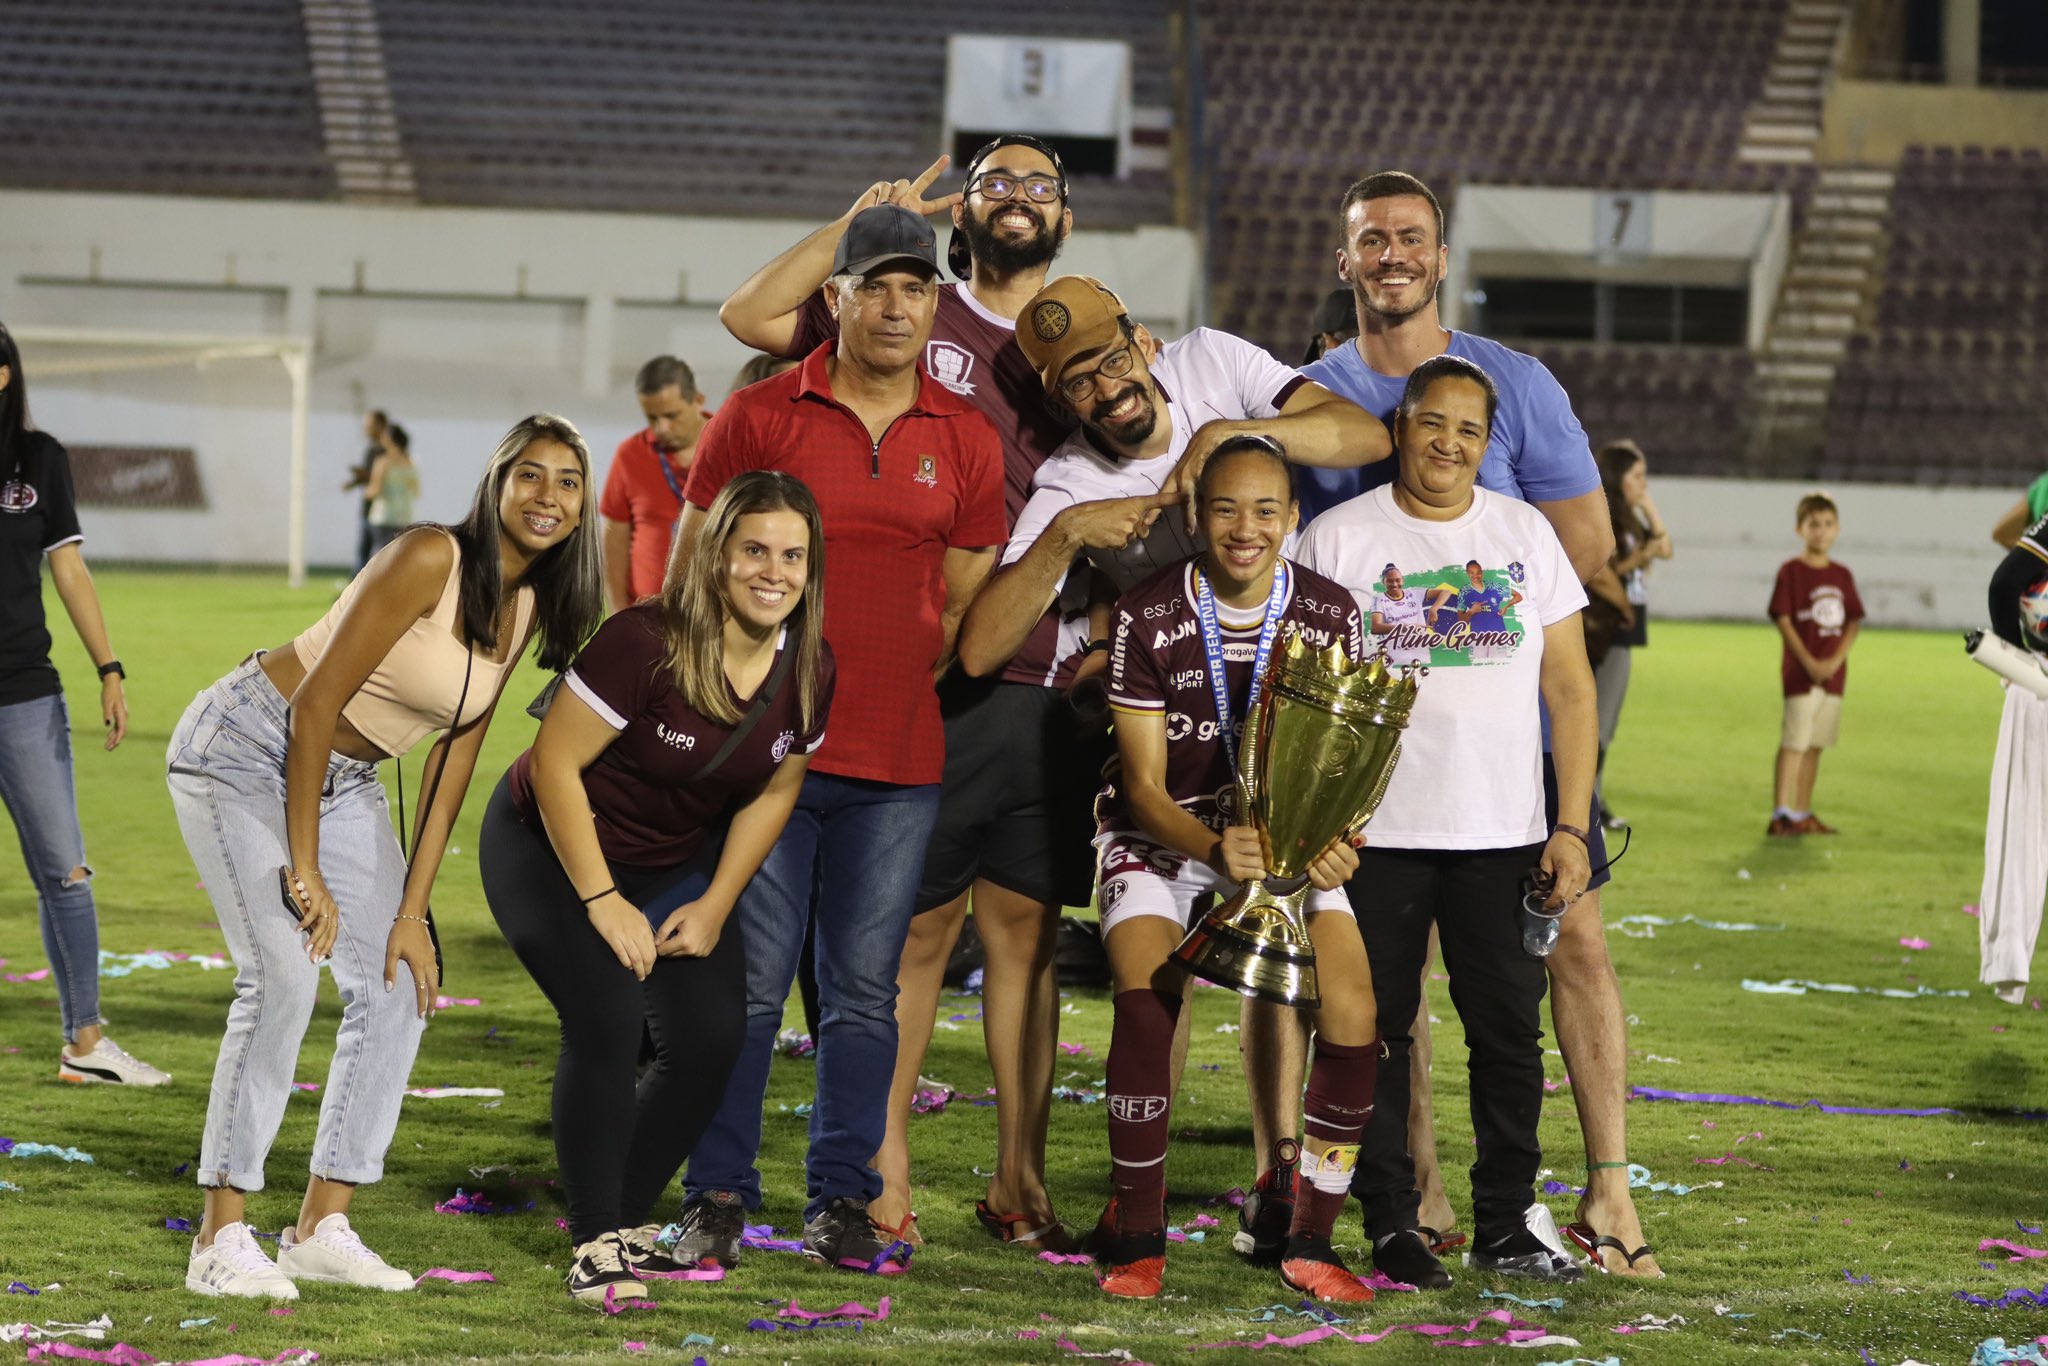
(782, 744)
(16, 496)
(1515, 572)
(927, 472)
(950, 365)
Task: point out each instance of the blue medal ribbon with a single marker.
(668, 475)
(1212, 645)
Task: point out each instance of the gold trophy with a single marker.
(1314, 765)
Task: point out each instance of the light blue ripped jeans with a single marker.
(227, 760)
(37, 790)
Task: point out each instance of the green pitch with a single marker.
(1899, 1204)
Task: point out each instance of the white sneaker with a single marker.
(108, 1062)
(235, 1265)
(334, 1255)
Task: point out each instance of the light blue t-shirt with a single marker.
(1538, 452)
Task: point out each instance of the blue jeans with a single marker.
(227, 761)
(35, 783)
(851, 856)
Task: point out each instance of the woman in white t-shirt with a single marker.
(1460, 840)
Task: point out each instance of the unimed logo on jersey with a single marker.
(1137, 1109)
(950, 365)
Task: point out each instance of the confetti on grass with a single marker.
(2019, 1253)
(1715, 1098)
(2013, 1298)
(1792, 986)
(446, 1092)
(762, 1238)
(442, 1273)
(16, 1148)
(464, 1203)
(121, 1354)
(1447, 1335)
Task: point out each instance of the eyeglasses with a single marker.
(1115, 365)
(1038, 189)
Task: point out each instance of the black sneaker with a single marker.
(649, 1260)
(1527, 1257)
(1268, 1209)
(1405, 1257)
(710, 1230)
(601, 1276)
(842, 1235)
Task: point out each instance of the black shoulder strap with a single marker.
(763, 699)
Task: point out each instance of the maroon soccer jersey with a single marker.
(891, 510)
(1822, 603)
(652, 806)
(1159, 666)
(974, 353)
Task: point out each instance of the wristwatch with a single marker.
(113, 666)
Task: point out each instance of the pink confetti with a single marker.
(1067, 1258)
(1028, 1334)
(442, 1273)
(849, 1310)
(613, 1305)
(443, 1002)
(1913, 942)
(38, 975)
(1447, 1335)
(1380, 1280)
(1973, 909)
(636, 1346)
(2019, 1254)
(305, 1086)
(1201, 1221)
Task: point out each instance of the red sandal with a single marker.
(1015, 1228)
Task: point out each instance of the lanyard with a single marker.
(1212, 645)
(668, 475)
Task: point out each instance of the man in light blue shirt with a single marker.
(1394, 257)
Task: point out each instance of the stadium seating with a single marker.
(1945, 387)
(1303, 96)
(775, 107)
(208, 97)
(1688, 406)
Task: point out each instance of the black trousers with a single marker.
(1474, 897)
(617, 1147)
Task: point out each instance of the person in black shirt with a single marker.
(614, 852)
(39, 517)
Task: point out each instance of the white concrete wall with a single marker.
(457, 321)
(1921, 556)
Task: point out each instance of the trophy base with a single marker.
(1251, 945)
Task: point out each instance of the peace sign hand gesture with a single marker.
(909, 194)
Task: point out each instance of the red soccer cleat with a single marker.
(1313, 1267)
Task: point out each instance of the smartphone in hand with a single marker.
(292, 907)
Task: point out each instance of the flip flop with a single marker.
(1440, 1243)
(1005, 1228)
(1587, 1241)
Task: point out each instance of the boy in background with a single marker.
(1819, 614)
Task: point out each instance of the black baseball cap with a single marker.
(882, 234)
(1336, 313)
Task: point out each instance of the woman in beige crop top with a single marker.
(421, 641)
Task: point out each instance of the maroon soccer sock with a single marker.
(1138, 1074)
(1335, 1110)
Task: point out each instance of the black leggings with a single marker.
(1474, 896)
(617, 1150)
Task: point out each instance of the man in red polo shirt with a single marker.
(909, 479)
(643, 493)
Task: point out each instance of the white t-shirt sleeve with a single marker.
(1261, 383)
(1044, 504)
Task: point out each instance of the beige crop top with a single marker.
(413, 689)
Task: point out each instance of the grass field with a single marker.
(1852, 1236)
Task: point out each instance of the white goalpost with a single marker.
(58, 353)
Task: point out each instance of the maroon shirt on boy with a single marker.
(653, 809)
(1822, 604)
(974, 353)
(1158, 665)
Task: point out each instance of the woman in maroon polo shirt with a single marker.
(614, 849)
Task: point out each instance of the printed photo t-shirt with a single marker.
(1470, 774)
